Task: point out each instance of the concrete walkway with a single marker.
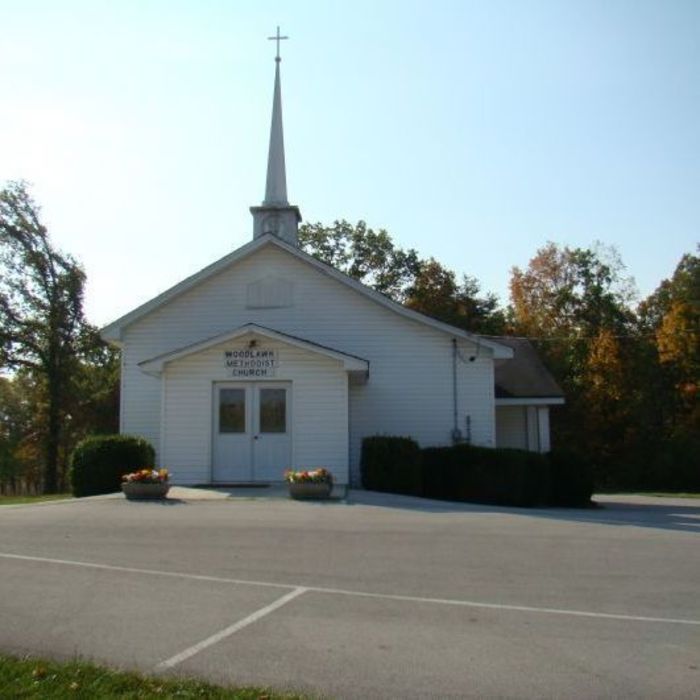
(607, 502)
(187, 493)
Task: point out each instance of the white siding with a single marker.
(410, 386)
(533, 433)
(140, 398)
(543, 427)
(319, 411)
(511, 427)
(524, 427)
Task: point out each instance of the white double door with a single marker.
(252, 431)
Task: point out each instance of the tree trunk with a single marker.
(53, 435)
(52, 445)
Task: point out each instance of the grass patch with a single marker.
(636, 492)
(669, 494)
(38, 678)
(18, 500)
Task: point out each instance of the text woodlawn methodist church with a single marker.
(268, 359)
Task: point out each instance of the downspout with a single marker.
(456, 432)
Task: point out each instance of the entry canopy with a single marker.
(357, 367)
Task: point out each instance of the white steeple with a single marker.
(276, 188)
(276, 215)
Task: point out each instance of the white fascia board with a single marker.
(350, 363)
(113, 331)
(534, 401)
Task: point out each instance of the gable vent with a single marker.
(270, 293)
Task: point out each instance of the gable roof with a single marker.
(114, 330)
(351, 363)
(525, 376)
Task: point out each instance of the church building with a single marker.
(269, 359)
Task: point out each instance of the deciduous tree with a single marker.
(41, 312)
(427, 286)
(367, 255)
(571, 291)
(671, 315)
(436, 292)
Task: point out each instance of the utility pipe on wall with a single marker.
(456, 432)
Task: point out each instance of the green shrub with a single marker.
(485, 475)
(98, 462)
(508, 476)
(391, 464)
(447, 473)
(438, 480)
(464, 472)
(676, 465)
(571, 479)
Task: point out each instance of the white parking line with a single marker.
(148, 572)
(505, 606)
(228, 631)
(357, 594)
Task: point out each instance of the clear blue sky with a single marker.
(472, 131)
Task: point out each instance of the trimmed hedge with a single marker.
(485, 475)
(98, 463)
(476, 474)
(571, 479)
(391, 464)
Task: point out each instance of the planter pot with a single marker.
(301, 491)
(135, 491)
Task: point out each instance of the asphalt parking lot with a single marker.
(379, 597)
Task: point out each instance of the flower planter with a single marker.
(310, 490)
(136, 491)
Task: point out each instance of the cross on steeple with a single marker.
(276, 216)
(277, 38)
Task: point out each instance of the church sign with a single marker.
(251, 363)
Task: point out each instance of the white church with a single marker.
(268, 359)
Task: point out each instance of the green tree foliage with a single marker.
(567, 296)
(630, 378)
(605, 405)
(574, 303)
(57, 362)
(436, 292)
(678, 329)
(17, 434)
(670, 317)
(94, 404)
(91, 407)
(41, 310)
(364, 254)
(372, 258)
(571, 291)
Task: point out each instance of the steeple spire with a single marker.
(276, 187)
(276, 215)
